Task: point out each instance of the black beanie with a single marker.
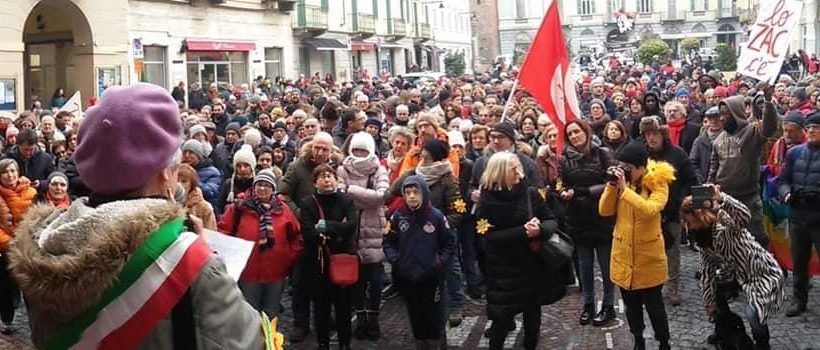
(813, 118)
(794, 117)
(505, 128)
(634, 153)
(438, 150)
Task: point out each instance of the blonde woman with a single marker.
(513, 218)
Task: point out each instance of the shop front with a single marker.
(221, 62)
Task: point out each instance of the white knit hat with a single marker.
(363, 140)
(243, 155)
(252, 137)
(456, 138)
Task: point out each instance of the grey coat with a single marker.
(92, 250)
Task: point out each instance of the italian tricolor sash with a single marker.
(151, 282)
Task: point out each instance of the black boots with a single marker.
(640, 344)
(796, 308)
(587, 314)
(604, 316)
(360, 330)
(373, 332)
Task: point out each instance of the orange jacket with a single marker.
(411, 160)
(15, 202)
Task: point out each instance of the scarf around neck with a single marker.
(392, 162)
(434, 172)
(265, 212)
(361, 166)
(675, 128)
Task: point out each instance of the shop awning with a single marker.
(217, 45)
(362, 46)
(325, 44)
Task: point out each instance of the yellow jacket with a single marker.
(638, 259)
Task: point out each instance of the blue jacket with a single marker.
(801, 174)
(419, 242)
(210, 179)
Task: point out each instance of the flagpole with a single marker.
(509, 99)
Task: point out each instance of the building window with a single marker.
(273, 62)
(153, 70)
(520, 9)
(586, 7)
(700, 5)
(644, 6)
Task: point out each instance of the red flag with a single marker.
(545, 74)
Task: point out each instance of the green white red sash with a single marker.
(151, 282)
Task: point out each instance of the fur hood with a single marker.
(659, 174)
(63, 259)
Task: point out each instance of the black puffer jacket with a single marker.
(800, 176)
(685, 178)
(584, 174)
(516, 277)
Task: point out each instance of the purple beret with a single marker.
(127, 138)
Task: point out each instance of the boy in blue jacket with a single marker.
(418, 243)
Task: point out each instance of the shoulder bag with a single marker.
(343, 269)
(557, 250)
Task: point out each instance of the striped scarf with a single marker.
(264, 211)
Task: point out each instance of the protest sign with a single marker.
(762, 56)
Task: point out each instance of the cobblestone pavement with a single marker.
(559, 327)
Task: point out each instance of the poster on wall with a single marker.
(8, 93)
(107, 76)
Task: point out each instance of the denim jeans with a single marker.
(263, 297)
(673, 255)
(586, 260)
(367, 293)
(454, 281)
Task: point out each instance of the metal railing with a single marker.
(424, 31)
(364, 23)
(310, 17)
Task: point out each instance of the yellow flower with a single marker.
(482, 226)
(459, 206)
(559, 186)
(543, 192)
(387, 228)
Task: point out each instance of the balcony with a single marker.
(424, 32)
(674, 16)
(310, 19)
(396, 28)
(364, 24)
(728, 12)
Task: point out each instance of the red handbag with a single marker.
(343, 269)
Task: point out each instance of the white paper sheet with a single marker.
(233, 251)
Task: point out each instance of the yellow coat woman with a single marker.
(638, 259)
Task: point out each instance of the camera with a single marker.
(702, 197)
(611, 176)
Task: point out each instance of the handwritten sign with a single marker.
(762, 56)
(233, 251)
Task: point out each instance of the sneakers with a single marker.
(587, 315)
(796, 309)
(455, 318)
(6, 328)
(298, 334)
(390, 292)
(604, 316)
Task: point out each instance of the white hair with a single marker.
(403, 108)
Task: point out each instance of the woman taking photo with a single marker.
(329, 220)
(366, 183)
(265, 219)
(582, 170)
(639, 267)
(512, 218)
(17, 197)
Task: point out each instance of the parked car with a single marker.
(421, 77)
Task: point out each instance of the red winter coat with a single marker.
(270, 265)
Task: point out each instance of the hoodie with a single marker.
(419, 242)
(735, 163)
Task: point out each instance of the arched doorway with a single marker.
(58, 52)
(726, 35)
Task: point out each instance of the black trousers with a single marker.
(652, 299)
(532, 329)
(9, 291)
(425, 307)
(803, 238)
(339, 299)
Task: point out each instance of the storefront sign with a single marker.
(362, 46)
(211, 45)
(107, 76)
(139, 53)
(762, 56)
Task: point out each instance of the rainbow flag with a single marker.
(775, 220)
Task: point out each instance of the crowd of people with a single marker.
(443, 190)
